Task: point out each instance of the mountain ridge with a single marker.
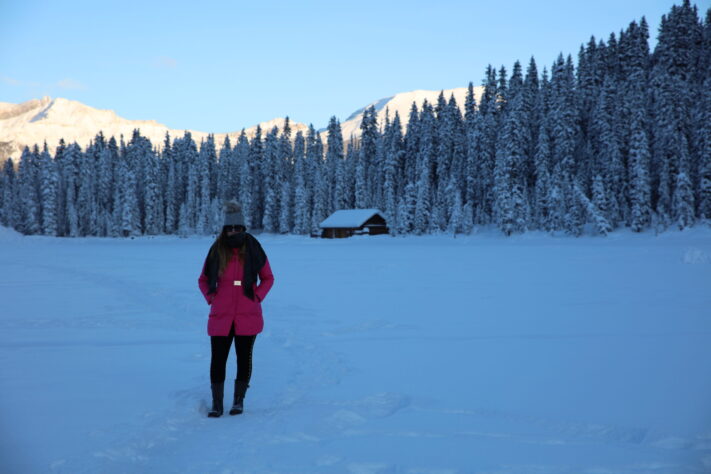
(47, 119)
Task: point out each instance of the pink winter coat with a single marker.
(230, 305)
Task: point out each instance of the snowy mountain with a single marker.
(401, 104)
(47, 119)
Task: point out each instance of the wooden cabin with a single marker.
(348, 222)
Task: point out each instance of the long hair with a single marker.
(224, 252)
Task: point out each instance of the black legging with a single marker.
(221, 350)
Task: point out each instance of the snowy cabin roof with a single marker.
(349, 218)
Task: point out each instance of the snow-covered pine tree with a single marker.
(443, 161)
(600, 198)
(341, 199)
(285, 180)
(48, 189)
(129, 205)
(105, 190)
(9, 208)
(512, 161)
(227, 172)
(334, 165)
(351, 159)
(256, 166)
(28, 192)
(705, 146)
(639, 187)
(314, 152)
(184, 228)
(542, 158)
(425, 166)
(207, 157)
(270, 220)
(192, 191)
(595, 214)
(683, 199)
(286, 219)
(368, 150)
(87, 207)
(484, 145)
(412, 145)
(406, 209)
(171, 188)
(455, 224)
(302, 214)
(392, 169)
(152, 196)
(608, 160)
(702, 122)
(459, 144)
(72, 155)
(242, 188)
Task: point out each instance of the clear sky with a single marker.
(218, 66)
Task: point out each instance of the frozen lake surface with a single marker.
(530, 354)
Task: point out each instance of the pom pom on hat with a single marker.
(233, 214)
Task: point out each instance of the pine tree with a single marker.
(172, 186)
(48, 188)
(27, 179)
(270, 220)
(683, 199)
(455, 224)
(412, 145)
(335, 165)
(227, 172)
(368, 150)
(206, 159)
(406, 210)
(703, 123)
(600, 198)
(104, 188)
(153, 201)
(302, 215)
(321, 192)
(542, 160)
(252, 195)
(639, 188)
(392, 168)
(71, 160)
(608, 158)
(243, 188)
(9, 208)
(425, 166)
(286, 221)
(483, 150)
(595, 214)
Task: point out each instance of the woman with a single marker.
(229, 283)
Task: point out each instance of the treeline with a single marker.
(621, 140)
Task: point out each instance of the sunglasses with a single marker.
(234, 228)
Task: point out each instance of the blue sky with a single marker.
(218, 66)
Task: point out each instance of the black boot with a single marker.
(218, 391)
(240, 390)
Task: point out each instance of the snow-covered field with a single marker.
(531, 354)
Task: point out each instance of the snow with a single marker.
(402, 103)
(47, 119)
(50, 119)
(532, 354)
(349, 218)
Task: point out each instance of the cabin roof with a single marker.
(349, 218)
